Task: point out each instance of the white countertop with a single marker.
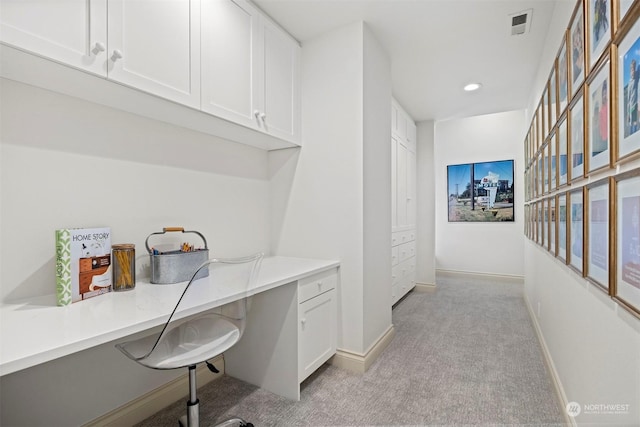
(36, 330)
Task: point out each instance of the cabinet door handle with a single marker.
(98, 47)
(116, 55)
(263, 117)
(303, 321)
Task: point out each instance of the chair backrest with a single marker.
(229, 278)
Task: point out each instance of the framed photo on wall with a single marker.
(542, 223)
(576, 136)
(537, 220)
(553, 159)
(563, 148)
(538, 127)
(526, 149)
(599, 34)
(532, 221)
(628, 89)
(562, 226)
(545, 111)
(576, 230)
(563, 76)
(597, 250)
(553, 98)
(542, 170)
(545, 223)
(547, 167)
(576, 46)
(481, 192)
(599, 119)
(627, 286)
(552, 225)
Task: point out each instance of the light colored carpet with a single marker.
(466, 354)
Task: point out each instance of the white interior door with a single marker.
(155, 46)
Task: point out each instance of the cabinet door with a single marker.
(411, 188)
(231, 85)
(281, 103)
(73, 32)
(412, 134)
(317, 332)
(401, 184)
(394, 183)
(154, 46)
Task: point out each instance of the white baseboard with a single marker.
(156, 400)
(425, 287)
(360, 363)
(493, 276)
(551, 368)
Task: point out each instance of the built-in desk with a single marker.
(35, 330)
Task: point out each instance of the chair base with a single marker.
(237, 422)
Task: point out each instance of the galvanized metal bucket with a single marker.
(177, 265)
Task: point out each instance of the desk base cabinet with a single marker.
(317, 321)
(291, 331)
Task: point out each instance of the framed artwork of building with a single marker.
(481, 192)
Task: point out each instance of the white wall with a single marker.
(67, 162)
(592, 342)
(377, 189)
(323, 199)
(426, 220)
(491, 248)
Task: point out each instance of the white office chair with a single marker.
(187, 341)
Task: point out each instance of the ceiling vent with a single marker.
(521, 22)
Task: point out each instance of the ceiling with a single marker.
(438, 46)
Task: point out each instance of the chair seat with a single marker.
(189, 343)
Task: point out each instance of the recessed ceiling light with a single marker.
(472, 86)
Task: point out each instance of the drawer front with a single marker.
(394, 294)
(396, 274)
(309, 287)
(411, 270)
(395, 254)
(400, 237)
(404, 269)
(407, 251)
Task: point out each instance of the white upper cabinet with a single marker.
(281, 98)
(73, 32)
(249, 69)
(155, 46)
(222, 58)
(230, 47)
